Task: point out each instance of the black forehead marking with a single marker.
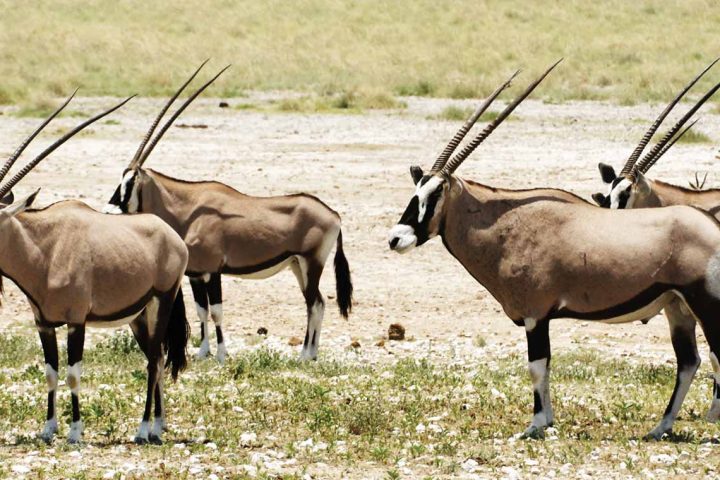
(425, 179)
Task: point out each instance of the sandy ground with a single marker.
(358, 164)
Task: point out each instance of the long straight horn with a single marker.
(10, 161)
(652, 153)
(24, 171)
(175, 115)
(646, 166)
(653, 128)
(450, 148)
(455, 162)
(149, 133)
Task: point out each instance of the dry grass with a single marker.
(625, 51)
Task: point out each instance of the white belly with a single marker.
(268, 272)
(648, 311)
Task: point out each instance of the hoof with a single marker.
(201, 355)
(47, 437)
(141, 441)
(533, 433)
(155, 440)
(220, 358)
(656, 436)
(713, 415)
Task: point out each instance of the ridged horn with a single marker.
(455, 162)
(26, 169)
(653, 128)
(175, 115)
(164, 110)
(649, 164)
(452, 145)
(10, 161)
(641, 166)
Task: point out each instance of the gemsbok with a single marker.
(228, 232)
(633, 189)
(82, 268)
(546, 253)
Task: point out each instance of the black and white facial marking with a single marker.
(620, 193)
(126, 198)
(414, 227)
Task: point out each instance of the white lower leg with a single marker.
(217, 316)
(143, 432)
(312, 336)
(539, 373)
(204, 350)
(713, 414)
(73, 381)
(157, 428)
(51, 425)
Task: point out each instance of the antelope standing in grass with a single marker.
(632, 189)
(545, 254)
(228, 232)
(81, 268)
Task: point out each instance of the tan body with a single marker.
(661, 194)
(72, 275)
(228, 232)
(542, 258)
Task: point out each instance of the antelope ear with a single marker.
(8, 199)
(607, 172)
(641, 184)
(599, 198)
(416, 173)
(20, 205)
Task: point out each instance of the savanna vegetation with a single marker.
(365, 52)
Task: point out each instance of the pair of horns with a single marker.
(447, 167)
(142, 152)
(632, 165)
(4, 189)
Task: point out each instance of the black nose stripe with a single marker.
(394, 242)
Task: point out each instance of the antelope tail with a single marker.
(343, 282)
(176, 336)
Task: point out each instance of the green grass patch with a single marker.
(346, 413)
(462, 49)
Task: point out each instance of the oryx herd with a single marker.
(541, 253)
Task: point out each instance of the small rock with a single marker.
(396, 332)
(224, 105)
(294, 341)
(380, 343)
(355, 344)
(262, 331)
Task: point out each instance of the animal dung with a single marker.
(262, 331)
(355, 344)
(294, 341)
(396, 332)
(224, 105)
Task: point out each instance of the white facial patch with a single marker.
(423, 192)
(133, 202)
(405, 235)
(614, 194)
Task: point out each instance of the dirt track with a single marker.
(358, 164)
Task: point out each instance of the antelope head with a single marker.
(127, 197)
(631, 188)
(423, 217)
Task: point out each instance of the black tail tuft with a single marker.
(177, 336)
(343, 282)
